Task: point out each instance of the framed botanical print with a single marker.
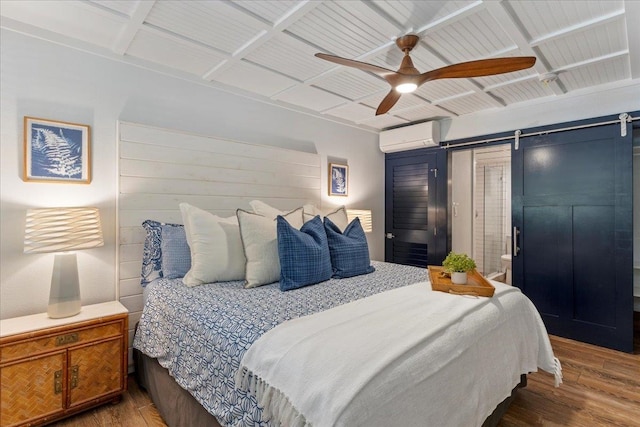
(56, 151)
(338, 180)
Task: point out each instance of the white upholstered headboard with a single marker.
(159, 168)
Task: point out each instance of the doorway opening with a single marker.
(481, 208)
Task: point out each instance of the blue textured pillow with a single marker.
(304, 254)
(176, 255)
(152, 252)
(349, 250)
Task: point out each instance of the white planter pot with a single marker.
(458, 278)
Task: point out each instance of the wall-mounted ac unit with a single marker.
(405, 138)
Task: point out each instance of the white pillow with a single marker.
(215, 245)
(337, 215)
(260, 242)
(261, 208)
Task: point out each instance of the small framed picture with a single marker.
(338, 180)
(56, 151)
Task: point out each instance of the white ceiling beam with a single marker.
(599, 20)
(590, 61)
(632, 17)
(452, 97)
(489, 88)
(128, 33)
(294, 14)
(517, 34)
(452, 18)
(399, 112)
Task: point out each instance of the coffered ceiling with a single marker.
(265, 49)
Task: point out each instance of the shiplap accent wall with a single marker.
(160, 168)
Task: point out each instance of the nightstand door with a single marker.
(95, 370)
(25, 396)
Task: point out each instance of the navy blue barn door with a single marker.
(572, 207)
(412, 209)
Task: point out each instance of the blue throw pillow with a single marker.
(176, 255)
(304, 254)
(152, 252)
(349, 250)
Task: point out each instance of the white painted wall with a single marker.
(461, 178)
(42, 79)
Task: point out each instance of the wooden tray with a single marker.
(476, 284)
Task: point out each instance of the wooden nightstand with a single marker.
(52, 368)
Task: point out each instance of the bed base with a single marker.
(178, 408)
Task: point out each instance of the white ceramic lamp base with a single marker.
(64, 297)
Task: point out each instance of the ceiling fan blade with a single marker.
(382, 72)
(483, 67)
(388, 102)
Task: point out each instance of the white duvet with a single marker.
(406, 357)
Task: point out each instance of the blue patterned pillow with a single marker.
(152, 253)
(176, 255)
(304, 254)
(349, 250)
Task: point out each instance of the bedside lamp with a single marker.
(62, 230)
(365, 218)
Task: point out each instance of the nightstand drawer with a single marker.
(34, 346)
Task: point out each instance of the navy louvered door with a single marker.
(412, 210)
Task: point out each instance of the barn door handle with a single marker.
(516, 248)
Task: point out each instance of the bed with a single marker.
(199, 336)
(214, 304)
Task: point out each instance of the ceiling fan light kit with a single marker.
(406, 87)
(407, 78)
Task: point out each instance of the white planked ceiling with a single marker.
(265, 49)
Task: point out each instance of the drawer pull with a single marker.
(57, 382)
(67, 339)
(74, 376)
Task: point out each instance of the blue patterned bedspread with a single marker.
(201, 333)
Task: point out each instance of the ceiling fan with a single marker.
(408, 78)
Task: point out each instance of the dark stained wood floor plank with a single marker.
(601, 387)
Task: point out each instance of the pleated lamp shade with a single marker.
(365, 218)
(61, 230)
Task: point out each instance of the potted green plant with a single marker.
(458, 265)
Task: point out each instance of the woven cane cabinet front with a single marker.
(53, 368)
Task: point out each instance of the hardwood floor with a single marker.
(601, 388)
(134, 410)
